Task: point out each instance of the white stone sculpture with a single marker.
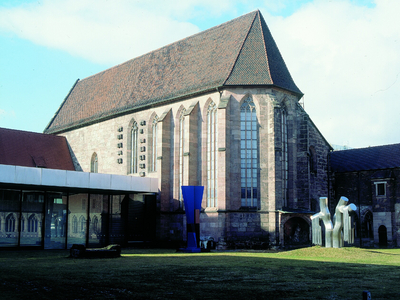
(335, 236)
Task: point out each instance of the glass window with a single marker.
(249, 153)
(212, 155)
(153, 167)
(94, 163)
(78, 212)
(32, 209)
(181, 154)
(380, 188)
(98, 224)
(134, 148)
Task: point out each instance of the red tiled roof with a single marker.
(237, 53)
(363, 159)
(30, 149)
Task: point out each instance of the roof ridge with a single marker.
(175, 42)
(265, 48)
(368, 147)
(241, 47)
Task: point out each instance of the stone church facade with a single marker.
(217, 109)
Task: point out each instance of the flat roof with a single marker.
(41, 178)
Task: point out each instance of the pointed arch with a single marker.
(211, 154)
(94, 163)
(249, 153)
(74, 224)
(82, 224)
(133, 146)
(180, 151)
(10, 223)
(153, 141)
(32, 223)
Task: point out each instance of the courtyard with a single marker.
(308, 273)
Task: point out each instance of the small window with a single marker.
(380, 188)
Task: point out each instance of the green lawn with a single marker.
(310, 273)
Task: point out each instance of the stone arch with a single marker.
(296, 231)
(368, 225)
(152, 142)
(249, 153)
(209, 153)
(131, 158)
(32, 223)
(11, 223)
(74, 224)
(95, 224)
(94, 163)
(256, 104)
(179, 149)
(204, 125)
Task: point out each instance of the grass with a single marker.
(309, 273)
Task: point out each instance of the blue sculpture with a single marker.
(192, 197)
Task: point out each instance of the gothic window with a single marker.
(153, 166)
(95, 224)
(134, 148)
(82, 224)
(10, 223)
(94, 163)
(32, 223)
(74, 224)
(181, 152)
(249, 154)
(285, 164)
(212, 155)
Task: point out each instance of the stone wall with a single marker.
(360, 189)
(228, 221)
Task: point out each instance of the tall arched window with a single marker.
(32, 223)
(82, 224)
(212, 155)
(153, 165)
(95, 224)
(10, 223)
(181, 151)
(134, 148)
(285, 165)
(74, 224)
(94, 163)
(249, 153)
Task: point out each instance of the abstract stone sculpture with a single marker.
(335, 236)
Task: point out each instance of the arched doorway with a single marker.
(382, 232)
(296, 232)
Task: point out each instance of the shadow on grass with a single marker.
(167, 275)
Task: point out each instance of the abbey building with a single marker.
(217, 109)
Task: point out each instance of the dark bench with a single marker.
(80, 251)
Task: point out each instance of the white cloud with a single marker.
(6, 114)
(98, 30)
(345, 60)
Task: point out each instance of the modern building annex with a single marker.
(45, 203)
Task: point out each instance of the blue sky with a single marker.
(343, 55)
